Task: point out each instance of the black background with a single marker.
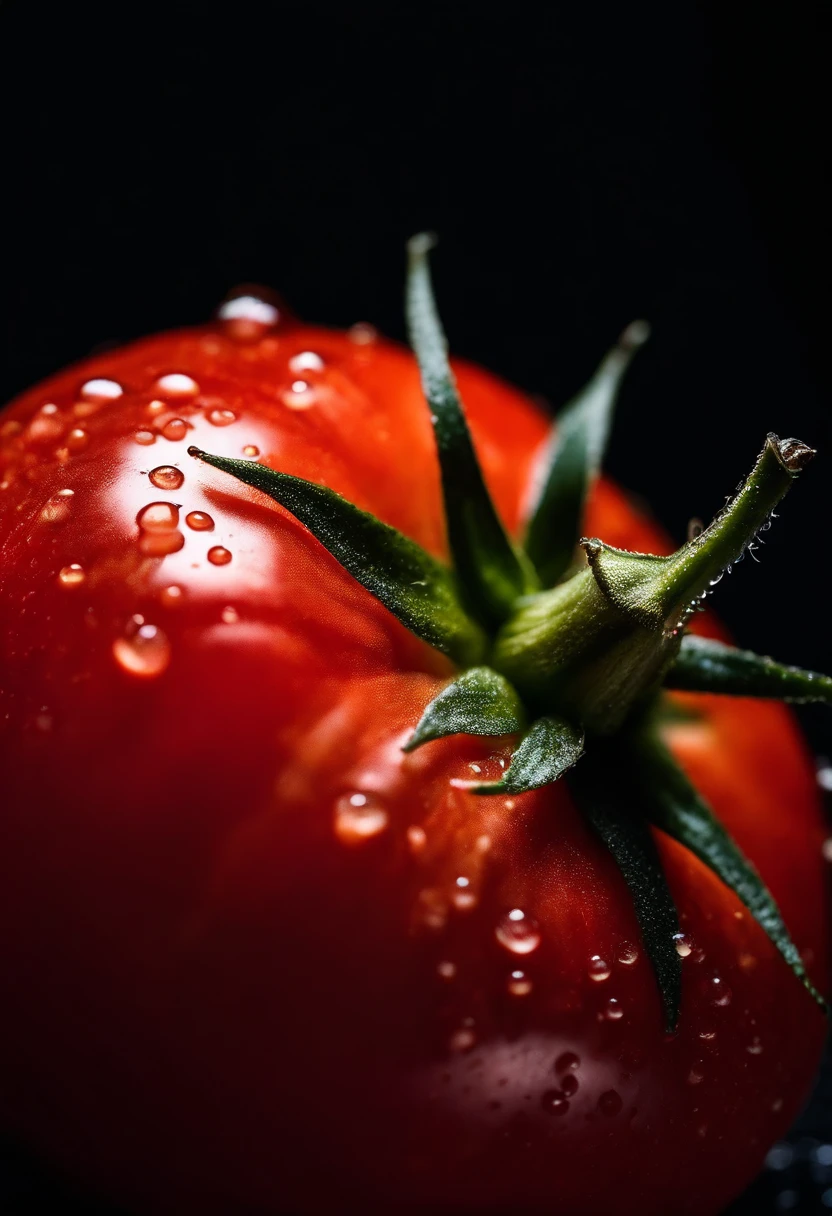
(582, 164)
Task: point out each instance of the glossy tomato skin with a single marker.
(255, 959)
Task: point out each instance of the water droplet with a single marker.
(306, 361)
(176, 429)
(144, 651)
(300, 395)
(416, 839)
(518, 932)
(221, 417)
(57, 509)
(598, 969)
(247, 317)
(171, 596)
(446, 970)
(462, 1039)
(610, 1103)
(519, 984)
(162, 543)
(431, 908)
(613, 1010)
(628, 954)
(77, 439)
(251, 450)
(158, 517)
(72, 576)
(219, 556)
(463, 896)
(707, 1035)
(166, 477)
(101, 390)
(721, 992)
(230, 616)
(567, 1062)
(176, 384)
(755, 1047)
(156, 407)
(695, 1076)
(200, 521)
(569, 1085)
(359, 817)
(684, 945)
(554, 1102)
(362, 334)
(145, 438)
(46, 424)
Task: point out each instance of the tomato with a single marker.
(257, 959)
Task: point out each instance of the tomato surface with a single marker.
(253, 957)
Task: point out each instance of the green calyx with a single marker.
(564, 642)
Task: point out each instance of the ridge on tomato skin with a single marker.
(240, 969)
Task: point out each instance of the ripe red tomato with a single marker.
(253, 958)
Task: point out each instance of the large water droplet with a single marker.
(612, 1010)
(518, 932)
(71, 576)
(247, 317)
(599, 969)
(219, 556)
(144, 651)
(683, 943)
(358, 817)
(610, 1103)
(627, 954)
(57, 509)
(221, 417)
(567, 1062)
(145, 438)
(161, 544)
(166, 477)
(158, 517)
(175, 430)
(101, 390)
(177, 384)
(200, 521)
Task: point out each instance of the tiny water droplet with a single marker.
(177, 384)
(57, 509)
(613, 1010)
(695, 1076)
(199, 521)
(101, 390)
(171, 596)
(721, 992)
(176, 429)
(446, 970)
(221, 417)
(166, 477)
(230, 616)
(684, 945)
(145, 438)
(362, 333)
(610, 1103)
(359, 817)
(158, 517)
(306, 361)
(599, 969)
(300, 396)
(72, 575)
(219, 556)
(251, 450)
(156, 407)
(518, 932)
(755, 1047)
(416, 839)
(554, 1102)
(707, 1035)
(628, 954)
(463, 896)
(144, 651)
(519, 984)
(463, 1039)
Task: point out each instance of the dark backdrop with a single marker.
(583, 166)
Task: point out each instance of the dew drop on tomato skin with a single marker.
(517, 932)
(463, 896)
(172, 596)
(251, 450)
(199, 521)
(628, 955)
(175, 430)
(249, 315)
(101, 390)
(300, 395)
(72, 575)
(57, 509)
(219, 556)
(519, 984)
(229, 616)
(161, 544)
(567, 1062)
(158, 517)
(156, 407)
(221, 417)
(144, 651)
(77, 439)
(362, 333)
(684, 945)
(359, 817)
(166, 477)
(610, 1103)
(554, 1102)
(177, 384)
(446, 970)
(598, 969)
(613, 1010)
(306, 361)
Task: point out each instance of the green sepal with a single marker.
(420, 591)
(479, 702)
(548, 749)
(489, 568)
(612, 809)
(575, 454)
(672, 804)
(704, 665)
